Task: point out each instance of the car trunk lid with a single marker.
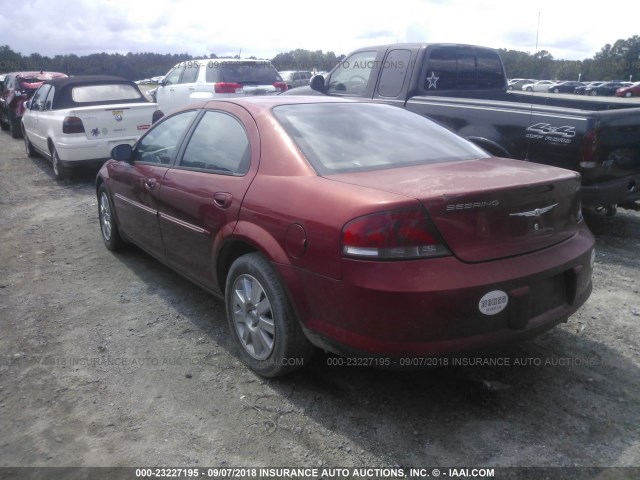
(489, 208)
(115, 121)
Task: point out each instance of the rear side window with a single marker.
(455, 68)
(354, 137)
(219, 144)
(394, 72)
(246, 73)
(104, 93)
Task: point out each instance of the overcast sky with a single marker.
(264, 28)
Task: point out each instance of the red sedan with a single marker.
(630, 91)
(359, 228)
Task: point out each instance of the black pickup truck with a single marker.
(464, 87)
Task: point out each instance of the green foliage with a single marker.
(619, 61)
(306, 60)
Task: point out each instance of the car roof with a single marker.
(36, 73)
(206, 61)
(87, 80)
(256, 105)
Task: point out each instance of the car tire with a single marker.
(108, 225)
(555, 90)
(529, 89)
(593, 93)
(28, 146)
(4, 126)
(14, 127)
(628, 94)
(59, 171)
(261, 319)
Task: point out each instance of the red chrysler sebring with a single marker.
(359, 228)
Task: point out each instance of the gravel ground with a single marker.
(114, 360)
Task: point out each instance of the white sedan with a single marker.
(76, 121)
(539, 86)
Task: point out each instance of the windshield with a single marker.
(352, 137)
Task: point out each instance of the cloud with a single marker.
(265, 29)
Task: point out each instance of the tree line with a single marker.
(620, 61)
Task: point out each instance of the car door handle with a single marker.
(222, 199)
(150, 183)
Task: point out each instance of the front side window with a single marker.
(354, 137)
(352, 75)
(159, 145)
(38, 100)
(174, 75)
(219, 144)
(48, 102)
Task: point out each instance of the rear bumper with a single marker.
(433, 307)
(618, 191)
(77, 150)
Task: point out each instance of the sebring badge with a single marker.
(533, 213)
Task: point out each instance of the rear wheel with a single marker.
(60, 171)
(529, 89)
(261, 319)
(555, 90)
(108, 226)
(14, 127)
(593, 93)
(28, 147)
(628, 94)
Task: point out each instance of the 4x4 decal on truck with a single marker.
(550, 133)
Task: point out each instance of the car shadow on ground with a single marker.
(536, 399)
(78, 176)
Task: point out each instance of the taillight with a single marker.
(281, 86)
(72, 125)
(227, 87)
(589, 149)
(398, 234)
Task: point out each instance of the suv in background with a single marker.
(196, 80)
(295, 79)
(17, 88)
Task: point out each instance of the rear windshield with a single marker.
(353, 137)
(246, 73)
(462, 68)
(105, 93)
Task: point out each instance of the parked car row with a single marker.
(16, 89)
(618, 88)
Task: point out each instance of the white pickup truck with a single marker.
(76, 121)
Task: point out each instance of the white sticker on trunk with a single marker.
(493, 302)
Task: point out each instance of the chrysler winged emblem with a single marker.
(533, 213)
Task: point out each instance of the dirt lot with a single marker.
(114, 360)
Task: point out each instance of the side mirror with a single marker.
(157, 115)
(317, 84)
(122, 153)
(27, 105)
